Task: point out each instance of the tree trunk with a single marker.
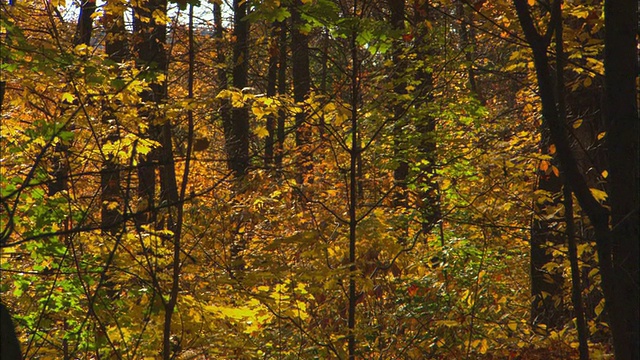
(223, 83)
(150, 38)
(621, 117)
(617, 248)
(272, 81)
(467, 42)
(116, 50)
(547, 303)
(237, 128)
(546, 286)
(301, 88)
(401, 172)
(9, 344)
(429, 191)
(82, 35)
(354, 155)
(85, 23)
(576, 287)
(282, 90)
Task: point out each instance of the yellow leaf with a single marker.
(237, 100)
(112, 205)
(257, 111)
(512, 325)
(577, 123)
(261, 132)
(68, 98)
(160, 17)
(481, 274)
(587, 82)
(446, 183)
(447, 323)
(605, 173)
(82, 49)
(484, 346)
(598, 194)
(601, 135)
(224, 94)
(599, 307)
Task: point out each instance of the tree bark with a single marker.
(354, 155)
(9, 344)
(617, 247)
(282, 90)
(272, 82)
(82, 35)
(150, 38)
(429, 191)
(622, 124)
(401, 172)
(223, 83)
(116, 50)
(85, 23)
(237, 128)
(467, 43)
(547, 288)
(576, 287)
(301, 88)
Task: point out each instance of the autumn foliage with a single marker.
(308, 179)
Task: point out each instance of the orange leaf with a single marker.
(544, 165)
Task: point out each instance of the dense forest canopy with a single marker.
(319, 179)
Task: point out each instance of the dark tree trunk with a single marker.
(223, 83)
(301, 88)
(150, 38)
(576, 287)
(617, 246)
(236, 129)
(546, 286)
(547, 295)
(85, 23)
(272, 82)
(116, 49)
(9, 344)
(467, 42)
(60, 171)
(621, 117)
(429, 191)
(168, 182)
(354, 155)
(282, 90)
(116, 46)
(324, 78)
(401, 172)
